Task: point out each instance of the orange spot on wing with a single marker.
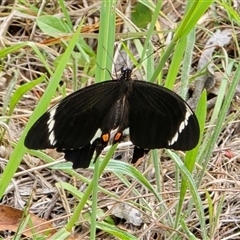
(117, 136)
(105, 137)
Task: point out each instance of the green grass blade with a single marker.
(104, 59)
(106, 40)
(191, 156)
(176, 62)
(209, 145)
(188, 22)
(88, 191)
(21, 91)
(118, 233)
(19, 150)
(186, 175)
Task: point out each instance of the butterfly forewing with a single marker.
(73, 122)
(159, 118)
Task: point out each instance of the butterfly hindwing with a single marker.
(159, 118)
(79, 157)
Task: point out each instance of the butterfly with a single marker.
(89, 119)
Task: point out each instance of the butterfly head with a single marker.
(126, 73)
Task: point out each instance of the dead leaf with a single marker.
(218, 39)
(11, 218)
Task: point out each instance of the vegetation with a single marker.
(50, 49)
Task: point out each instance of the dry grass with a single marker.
(34, 185)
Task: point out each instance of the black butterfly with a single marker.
(88, 119)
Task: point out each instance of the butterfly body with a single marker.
(90, 118)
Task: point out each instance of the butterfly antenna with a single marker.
(115, 70)
(105, 69)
